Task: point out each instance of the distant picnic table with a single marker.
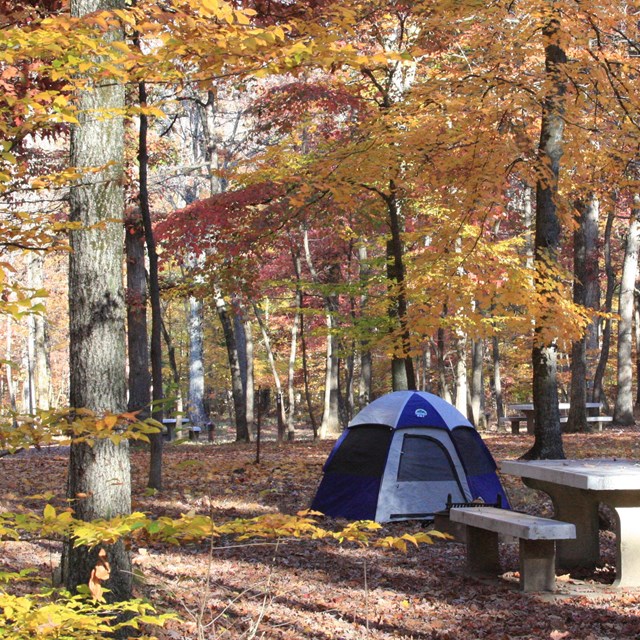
(525, 412)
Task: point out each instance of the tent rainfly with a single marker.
(401, 457)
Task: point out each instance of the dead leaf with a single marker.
(99, 574)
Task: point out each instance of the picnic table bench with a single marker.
(525, 412)
(536, 537)
(514, 421)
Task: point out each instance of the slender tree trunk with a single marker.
(461, 372)
(291, 390)
(330, 425)
(245, 361)
(477, 384)
(250, 388)
(497, 380)
(584, 242)
(175, 374)
(99, 483)
(237, 390)
(136, 297)
(305, 375)
(197, 413)
(402, 371)
(366, 373)
(274, 370)
(11, 387)
(39, 338)
(548, 436)
(156, 440)
(443, 387)
(623, 410)
(598, 378)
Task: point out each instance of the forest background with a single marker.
(318, 202)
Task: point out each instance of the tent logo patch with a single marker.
(421, 413)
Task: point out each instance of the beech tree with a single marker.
(548, 439)
(99, 484)
(623, 411)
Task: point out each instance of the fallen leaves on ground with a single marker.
(312, 589)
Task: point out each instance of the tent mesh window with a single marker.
(424, 459)
(474, 458)
(363, 452)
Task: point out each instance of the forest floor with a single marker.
(303, 589)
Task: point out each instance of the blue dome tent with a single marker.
(401, 458)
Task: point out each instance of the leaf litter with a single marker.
(311, 589)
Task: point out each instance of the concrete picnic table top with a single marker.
(596, 474)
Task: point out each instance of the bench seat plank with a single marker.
(512, 523)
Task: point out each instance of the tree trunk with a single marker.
(477, 384)
(237, 390)
(156, 440)
(245, 360)
(291, 390)
(175, 375)
(461, 372)
(137, 338)
(38, 339)
(598, 378)
(402, 370)
(11, 387)
(365, 381)
(99, 483)
(274, 370)
(584, 254)
(548, 436)
(623, 410)
(443, 387)
(305, 375)
(330, 425)
(497, 381)
(197, 413)
(297, 267)
(249, 394)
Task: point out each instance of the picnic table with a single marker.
(576, 487)
(170, 425)
(525, 412)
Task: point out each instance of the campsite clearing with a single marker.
(311, 590)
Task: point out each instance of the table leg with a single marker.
(627, 545)
(580, 508)
(531, 421)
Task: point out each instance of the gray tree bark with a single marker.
(477, 384)
(330, 425)
(548, 436)
(137, 336)
(623, 410)
(585, 261)
(291, 389)
(598, 387)
(366, 372)
(237, 388)
(99, 484)
(461, 387)
(39, 367)
(196, 410)
(274, 369)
